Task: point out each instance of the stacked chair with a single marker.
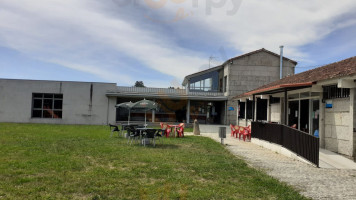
(245, 132)
(180, 130)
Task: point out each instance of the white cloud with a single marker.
(98, 38)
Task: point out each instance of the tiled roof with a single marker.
(338, 69)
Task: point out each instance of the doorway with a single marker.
(262, 109)
(304, 115)
(315, 117)
(293, 113)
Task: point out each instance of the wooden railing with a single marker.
(299, 142)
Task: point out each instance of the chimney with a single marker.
(281, 64)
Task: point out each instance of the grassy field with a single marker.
(83, 162)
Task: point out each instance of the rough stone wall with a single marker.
(338, 137)
(253, 71)
(250, 72)
(232, 114)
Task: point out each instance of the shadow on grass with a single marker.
(157, 146)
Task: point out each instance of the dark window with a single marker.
(221, 85)
(225, 83)
(261, 113)
(241, 110)
(274, 100)
(333, 92)
(47, 105)
(249, 109)
(202, 85)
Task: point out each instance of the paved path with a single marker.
(316, 183)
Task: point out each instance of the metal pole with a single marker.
(253, 108)
(225, 112)
(281, 63)
(285, 107)
(129, 117)
(188, 112)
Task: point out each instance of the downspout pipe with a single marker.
(281, 63)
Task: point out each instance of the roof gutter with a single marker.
(291, 85)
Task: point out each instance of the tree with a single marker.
(139, 84)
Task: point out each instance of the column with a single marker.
(225, 113)
(188, 112)
(153, 113)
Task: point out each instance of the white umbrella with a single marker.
(145, 105)
(127, 105)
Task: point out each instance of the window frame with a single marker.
(333, 92)
(51, 110)
(249, 111)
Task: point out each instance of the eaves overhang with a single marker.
(171, 96)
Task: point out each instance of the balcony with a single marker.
(146, 92)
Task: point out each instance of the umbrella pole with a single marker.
(145, 118)
(129, 117)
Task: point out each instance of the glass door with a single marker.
(293, 113)
(315, 117)
(304, 115)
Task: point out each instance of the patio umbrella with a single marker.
(127, 105)
(145, 105)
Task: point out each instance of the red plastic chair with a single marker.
(237, 128)
(180, 130)
(166, 128)
(243, 132)
(233, 130)
(248, 131)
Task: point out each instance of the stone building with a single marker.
(239, 75)
(320, 101)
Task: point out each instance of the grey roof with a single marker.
(185, 81)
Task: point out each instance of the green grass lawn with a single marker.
(83, 162)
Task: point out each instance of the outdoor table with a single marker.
(144, 129)
(124, 126)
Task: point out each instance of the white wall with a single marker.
(16, 101)
(275, 112)
(353, 91)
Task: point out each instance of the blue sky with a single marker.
(161, 41)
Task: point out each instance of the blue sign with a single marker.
(329, 104)
(231, 109)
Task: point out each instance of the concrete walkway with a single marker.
(316, 183)
(331, 160)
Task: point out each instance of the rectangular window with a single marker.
(241, 110)
(221, 85)
(274, 100)
(249, 109)
(47, 105)
(202, 85)
(225, 83)
(333, 92)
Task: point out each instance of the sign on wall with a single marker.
(329, 104)
(231, 109)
